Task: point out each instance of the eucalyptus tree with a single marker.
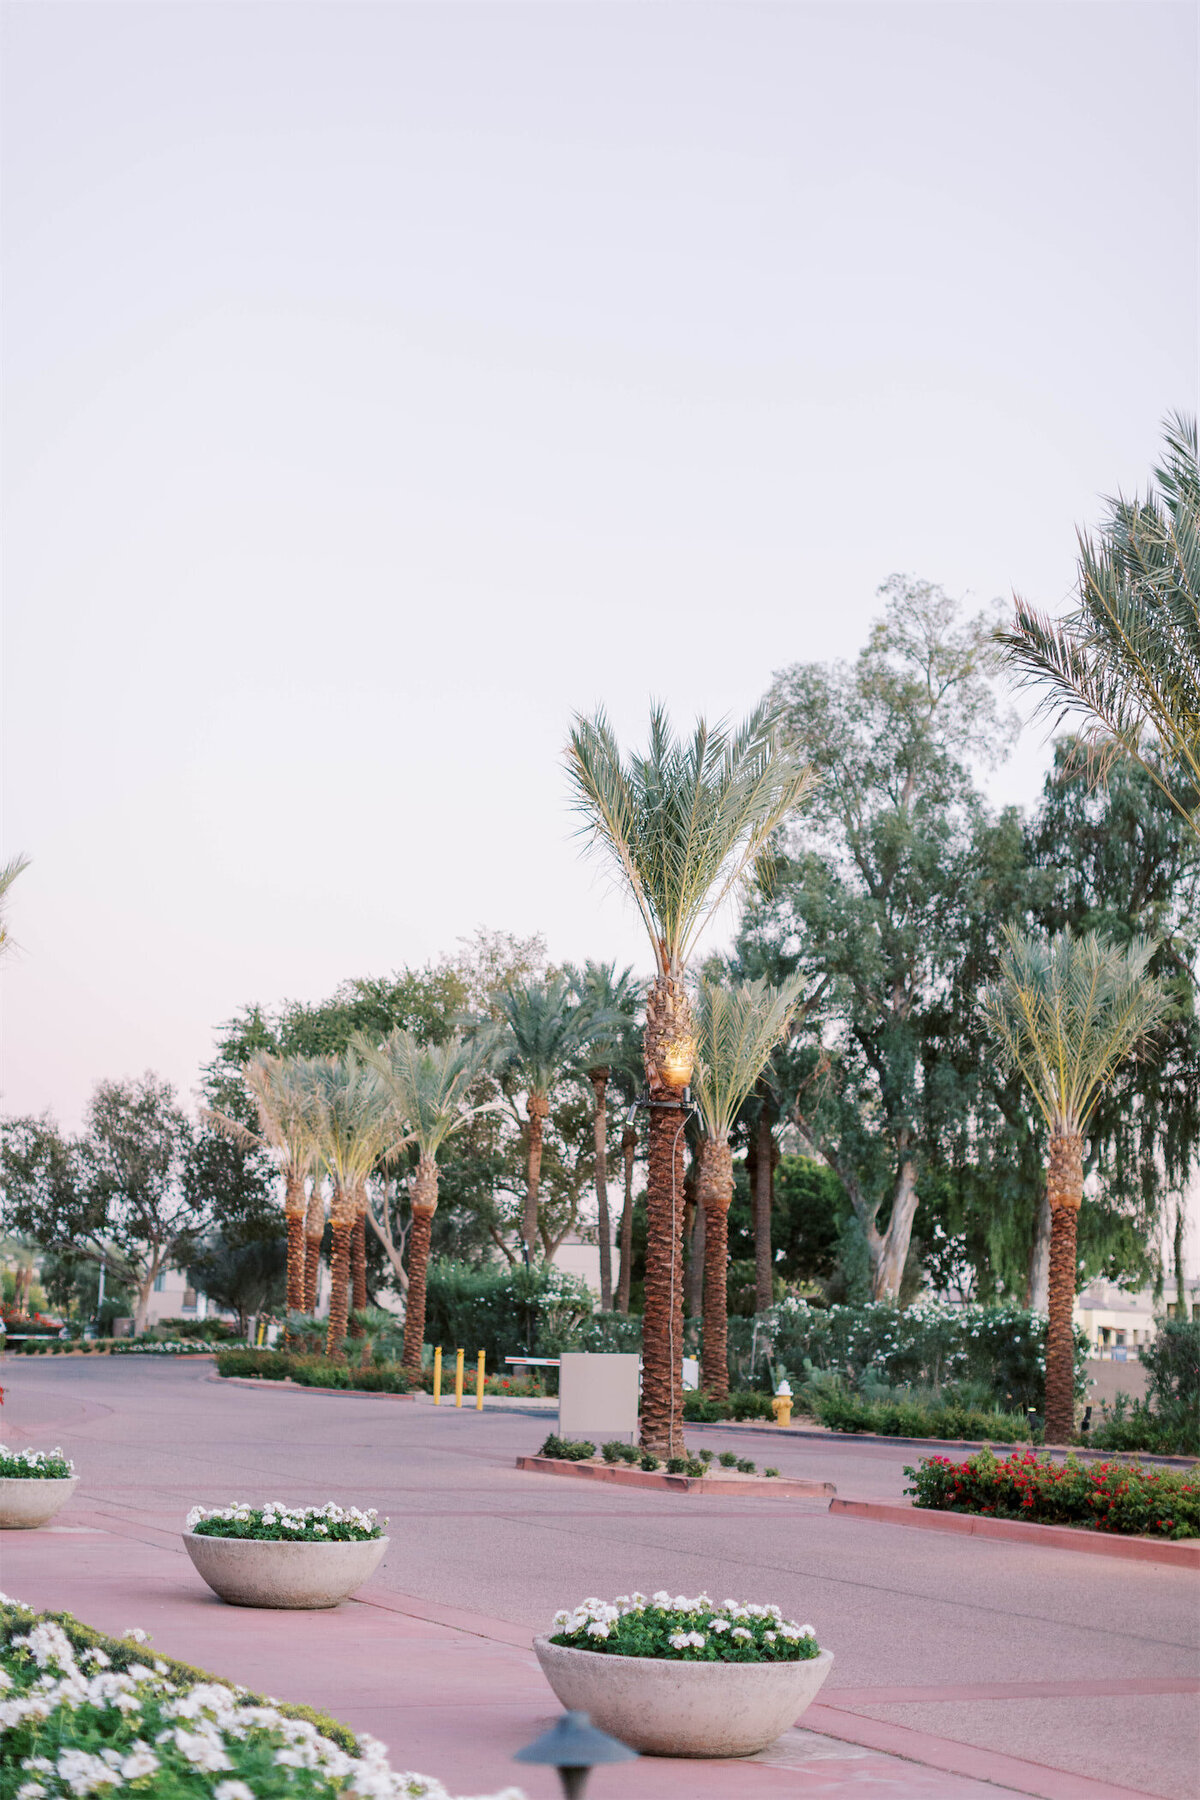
(739, 1026)
(546, 1032)
(355, 1131)
(428, 1090)
(1128, 656)
(606, 995)
(685, 824)
(284, 1099)
(1065, 1012)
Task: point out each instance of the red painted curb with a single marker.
(298, 1387)
(676, 1484)
(1184, 1555)
(956, 1758)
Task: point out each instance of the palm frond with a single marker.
(548, 1030)
(1066, 1010)
(427, 1085)
(685, 822)
(737, 1028)
(8, 874)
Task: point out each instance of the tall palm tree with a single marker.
(546, 1032)
(428, 1090)
(1128, 657)
(355, 1131)
(314, 1232)
(605, 993)
(685, 824)
(282, 1093)
(738, 1029)
(1066, 1011)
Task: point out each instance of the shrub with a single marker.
(630, 1453)
(728, 1459)
(696, 1466)
(613, 1451)
(683, 1630)
(1172, 1364)
(269, 1365)
(677, 1465)
(745, 1403)
(705, 1456)
(502, 1310)
(1106, 1496)
(746, 1467)
(1172, 1429)
(916, 1418)
(648, 1461)
(771, 1473)
(567, 1449)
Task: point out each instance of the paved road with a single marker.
(1069, 1661)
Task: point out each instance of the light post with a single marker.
(574, 1747)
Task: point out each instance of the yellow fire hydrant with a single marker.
(781, 1405)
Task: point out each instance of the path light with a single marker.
(574, 1747)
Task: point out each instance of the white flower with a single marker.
(140, 1760)
(233, 1790)
(30, 1790)
(597, 1630)
(137, 1634)
(739, 1631)
(679, 1640)
(202, 1748)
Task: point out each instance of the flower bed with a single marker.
(88, 1715)
(115, 1347)
(683, 1630)
(35, 1465)
(279, 1523)
(1106, 1496)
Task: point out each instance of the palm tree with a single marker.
(605, 993)
(355, 1131)
(685, 824)
(428, 1093)
(314, 1232)
(1065, 1012)
(1128, 657)
(546, 1033)
(8, 874)
(738, 1029)
(282, 1092)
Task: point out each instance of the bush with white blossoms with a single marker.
(35, 1465)
(73, 1724)
(683, 1630)
(278, 1522)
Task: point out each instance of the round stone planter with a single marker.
(29, 1501)
(261, 1572)
(665, 1708)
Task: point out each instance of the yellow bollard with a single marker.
(262, 1332)
(437, 1376)
(459, 1356)
(479, 1384)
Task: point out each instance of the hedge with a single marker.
(1107, 1496)
(313, 1371)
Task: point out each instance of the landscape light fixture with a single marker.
(574, 1746)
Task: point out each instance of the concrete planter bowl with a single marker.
(29, 1501)
(666, 1708)
(263, 1572)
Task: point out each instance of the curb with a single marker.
(1185, 1555)
(297, 1387)
(676, 1484)
(120, 1355)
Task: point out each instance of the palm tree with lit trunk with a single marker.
(428, 1089)
(281, 1090)
(1065, 1011)
(355, 1132)
(606, 994)
(685, 824)
(737, 1029)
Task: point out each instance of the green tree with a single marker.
(355, 1131)
(1128, 656)
(428, 1090)
(242, 1278)
(1066, 1012)
(866, 894)
(685, 824)
(738, 1027)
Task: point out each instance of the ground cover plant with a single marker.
(276, 1522)
(683, 1630)
(567, 1449)
(34, 1465)
(1119, 1497)
(88, 1715)
(44, 1346)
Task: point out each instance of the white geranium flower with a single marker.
(233, 1790)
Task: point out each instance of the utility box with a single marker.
(598, 1396)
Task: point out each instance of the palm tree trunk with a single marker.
(358, 1265)
(294, 1208)
(1064, 1184)
(537, 1107)
(693, 1286)
(628, 1152)
(716, 1193)
(314, 1231)
(1039, 1258)
(764, 1194)
(662, 1323)
(342, 1223)
(423, 1187)
(599, 1080)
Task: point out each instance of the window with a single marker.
(189, 1299)
(160, 1281)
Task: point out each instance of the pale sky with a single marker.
(384, 382)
